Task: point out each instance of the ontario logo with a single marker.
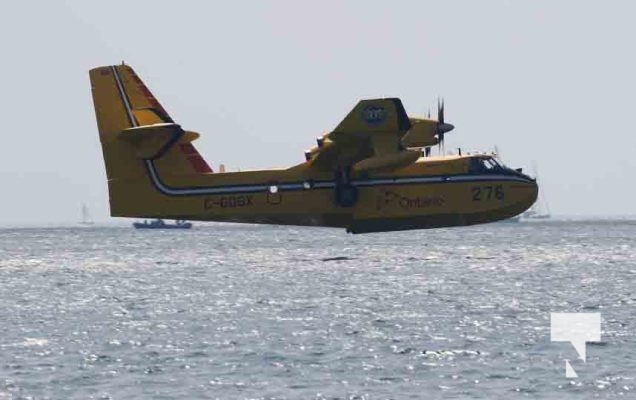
(374, 115)
(389, 198)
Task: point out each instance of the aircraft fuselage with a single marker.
(431, 193)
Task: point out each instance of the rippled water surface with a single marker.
(257, 312)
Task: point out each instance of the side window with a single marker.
(475, 165)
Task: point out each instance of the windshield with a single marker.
(484, 164)
(496, 162)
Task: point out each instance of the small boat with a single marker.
(160, 224)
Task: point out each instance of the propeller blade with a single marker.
(442, 126)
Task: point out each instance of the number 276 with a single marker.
(481, 193)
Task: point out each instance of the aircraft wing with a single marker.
(370, 134)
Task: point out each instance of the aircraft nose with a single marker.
(526, 194)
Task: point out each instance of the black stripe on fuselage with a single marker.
(301, 186)
(124, 97)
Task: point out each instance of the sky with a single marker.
(547, 82)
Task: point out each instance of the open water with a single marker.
(257, 312)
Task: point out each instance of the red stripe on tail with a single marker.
(197, 162)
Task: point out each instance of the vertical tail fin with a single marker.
(123, 105)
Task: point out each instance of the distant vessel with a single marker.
(540, 209)
(160, 224)
(535, 213)
(86, 216)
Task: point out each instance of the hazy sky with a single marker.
(546, 81)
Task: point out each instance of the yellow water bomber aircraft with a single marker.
(372, 173)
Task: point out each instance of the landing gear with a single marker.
(346, 193)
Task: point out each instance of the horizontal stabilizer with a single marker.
(152, 141)
(190, 136)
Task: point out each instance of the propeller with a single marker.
(442, 127)
(421, 135)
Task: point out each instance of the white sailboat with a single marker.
(86, 216)
(540, 209)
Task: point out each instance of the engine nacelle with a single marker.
(422, 134)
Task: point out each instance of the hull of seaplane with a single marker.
(405, 199)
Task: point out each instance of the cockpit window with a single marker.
(496, 162)
(483, 165)
(490, 163)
